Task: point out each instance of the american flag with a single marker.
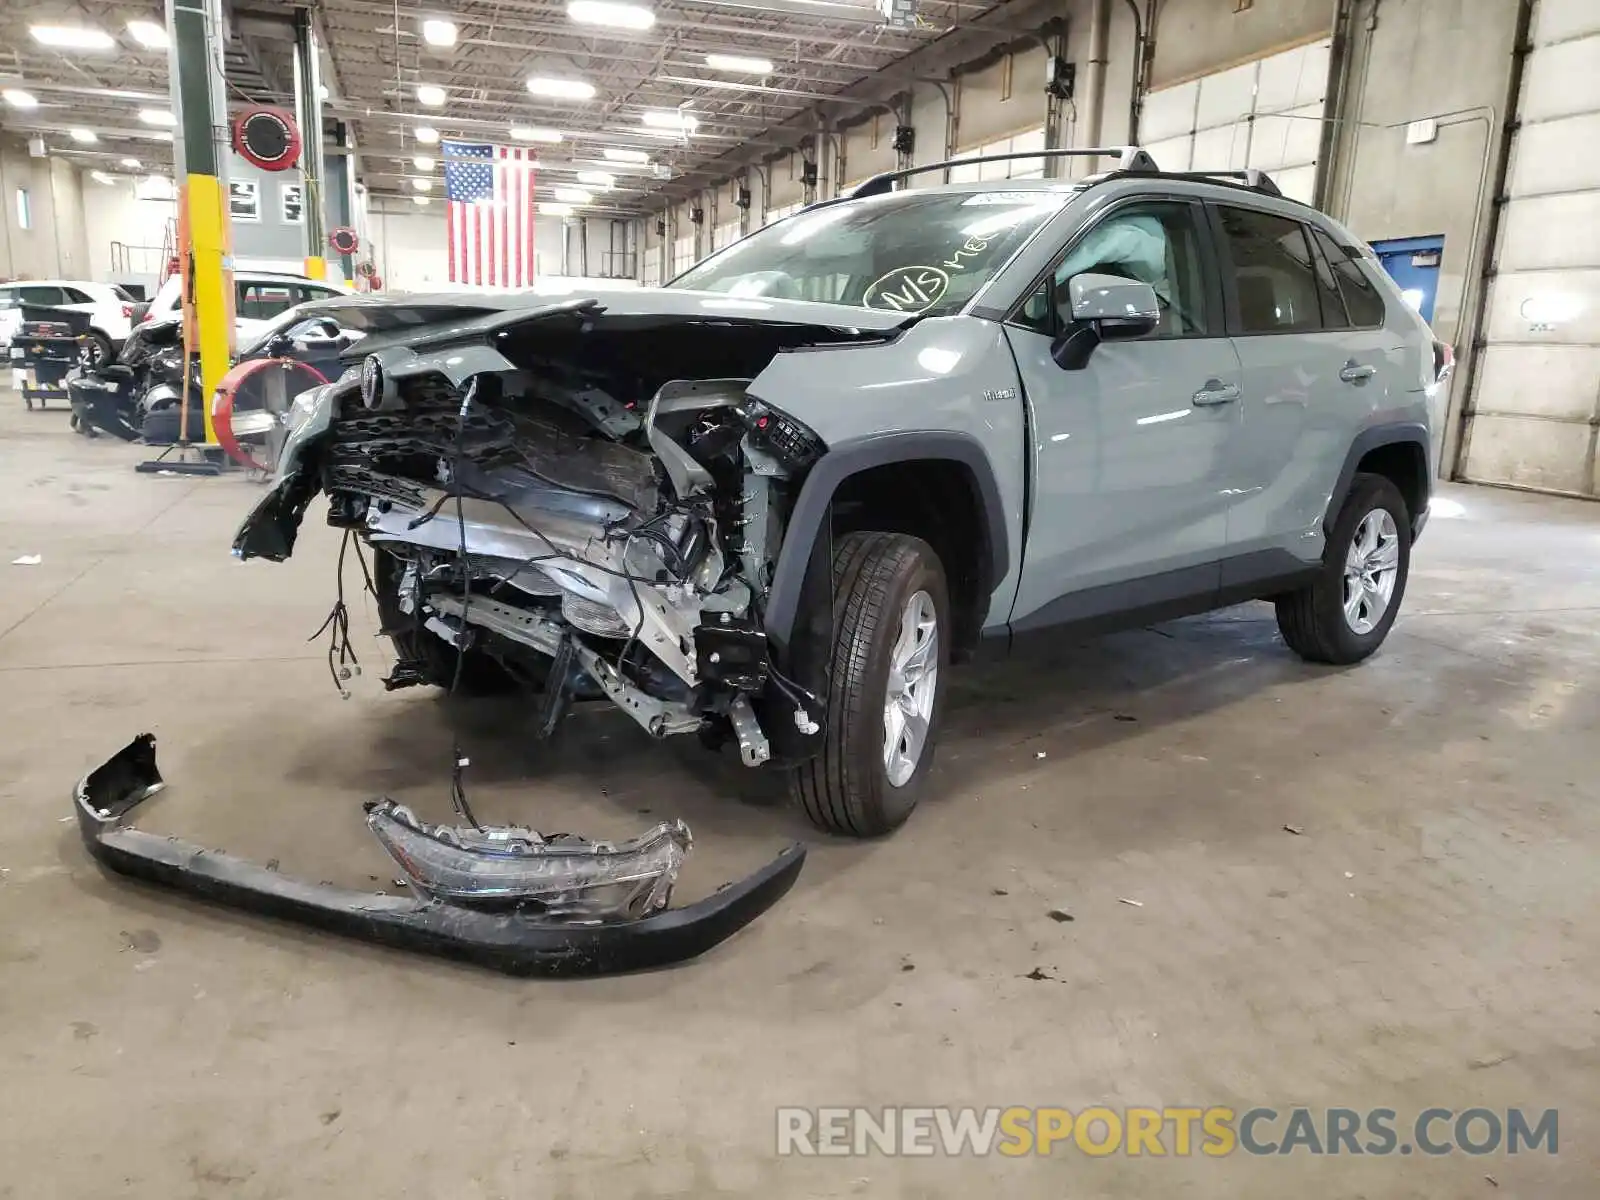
(489, 209)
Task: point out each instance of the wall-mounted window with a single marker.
(24, 210)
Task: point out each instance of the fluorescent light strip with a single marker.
(72, 37)
(611, 14)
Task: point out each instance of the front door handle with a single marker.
(1216, 392)
(1354, 372)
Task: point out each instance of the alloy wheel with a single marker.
(913, 684)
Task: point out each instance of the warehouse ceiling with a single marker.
(118, 93)
(709, 86)
(798, 55)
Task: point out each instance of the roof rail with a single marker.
(1130, 159)
(1256, 181)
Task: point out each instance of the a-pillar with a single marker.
(200, 159)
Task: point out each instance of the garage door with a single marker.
(1265, 114)
(1536, 392)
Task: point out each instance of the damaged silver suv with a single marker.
(772, 502)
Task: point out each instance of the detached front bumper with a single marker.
(506, 940)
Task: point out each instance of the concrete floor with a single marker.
(1428, 939)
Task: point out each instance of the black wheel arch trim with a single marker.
(1365, 442)
(809, 519)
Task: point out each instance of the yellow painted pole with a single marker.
(213, 293)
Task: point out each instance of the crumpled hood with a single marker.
(450, 316)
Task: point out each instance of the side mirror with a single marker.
(1105, 308)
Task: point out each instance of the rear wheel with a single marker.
(891, 616)
(1347, 611)
(97, 350)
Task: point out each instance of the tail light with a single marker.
(1444, 361)
(127, 310)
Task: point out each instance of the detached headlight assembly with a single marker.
(562, 877)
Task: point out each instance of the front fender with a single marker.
(809, 521)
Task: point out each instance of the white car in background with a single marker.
(258, 298)
(110, 311)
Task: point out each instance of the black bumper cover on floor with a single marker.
(516, 944)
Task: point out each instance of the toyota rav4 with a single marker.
(774, 501)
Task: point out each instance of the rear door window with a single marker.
(74, 296)
(41, 295)
(1361, 296)
(1272, 272)
(263, 301)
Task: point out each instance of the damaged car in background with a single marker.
(769, 504)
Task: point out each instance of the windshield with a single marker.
(910, 252)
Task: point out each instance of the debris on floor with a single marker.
(1134, 903)
(1039, 974)
(1294, 829)
(1056, 914)
(33, 560)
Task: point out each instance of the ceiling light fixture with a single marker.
(17, 98)
(72, 37)
(599, 179)
(625, 156)
(431, 95)
(131, 163)
(561, 89)
(85, 137)
(674, 120)
(611, 14)
(422, 200)
(571, 195)
(427, 135)
(437, 31)
(556, 210)
(739, 63)
(422, 162)
(422, 185)
(157, 116)
(149, 34)
(101, 177)
(533, 133)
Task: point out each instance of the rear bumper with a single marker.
(506, 941)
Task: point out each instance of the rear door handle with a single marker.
(1216, 392)
(1354, 372)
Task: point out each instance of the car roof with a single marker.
(77, 283)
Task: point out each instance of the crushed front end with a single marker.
(586, 507)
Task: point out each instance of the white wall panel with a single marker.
(1169, 113)
(1556, 156)
(1536, 393)
(1553, 23)
(1172, 154)
(1526, 241)
(1265, 113)
(1564, 80)
(1543, 381)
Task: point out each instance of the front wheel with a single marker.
(891, 652)
(1347, 611)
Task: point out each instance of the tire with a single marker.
(97, 349)
(1314, 620)
(481, 675)
(848, 788)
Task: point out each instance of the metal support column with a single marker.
(341, 207)
(308, 115)
(206, 256)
